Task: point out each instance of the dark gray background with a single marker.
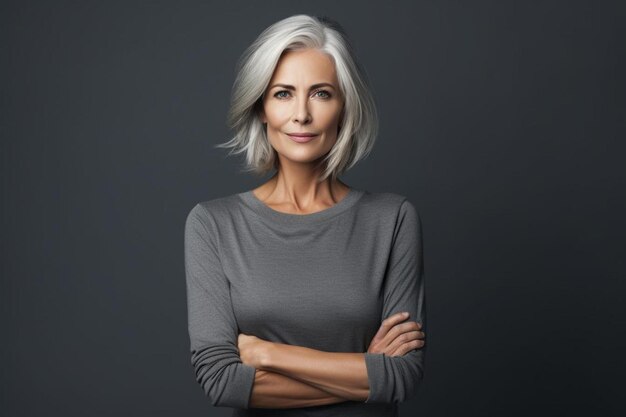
(503, 122)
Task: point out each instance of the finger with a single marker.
(409, 346)
(401, 328)
(395, 344)
(404, 338)
(413, 345)
(389, 323)
(418, 334)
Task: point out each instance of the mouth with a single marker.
(303, 137)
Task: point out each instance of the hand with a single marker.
(252, 350)
(395, 338)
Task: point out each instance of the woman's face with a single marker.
(303, 96)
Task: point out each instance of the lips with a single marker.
(302, 137)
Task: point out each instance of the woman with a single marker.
(296, 289)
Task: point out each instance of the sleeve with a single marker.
(394, 379)
(213, 330)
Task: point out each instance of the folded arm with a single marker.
(227, 381)
(274, 390)
(341, 374)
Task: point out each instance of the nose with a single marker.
(301, 112)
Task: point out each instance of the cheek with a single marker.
(277, 115)
(327, 118)
(332, 116)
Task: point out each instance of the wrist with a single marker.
(266, 355)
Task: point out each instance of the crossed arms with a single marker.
(295, 376)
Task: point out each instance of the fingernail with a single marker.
(406, 313)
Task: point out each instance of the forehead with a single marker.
(305, 66)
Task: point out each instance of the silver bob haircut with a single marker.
(358, 126)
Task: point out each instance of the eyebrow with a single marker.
(314, 86)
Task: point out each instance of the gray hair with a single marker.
(359, 123)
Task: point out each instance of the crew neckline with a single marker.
(264, 210)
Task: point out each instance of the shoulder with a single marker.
(389, 203)
(212, 211)
(393, 212)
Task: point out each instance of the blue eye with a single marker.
(278, 94)
(325, 92)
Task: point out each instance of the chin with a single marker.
(304, 159)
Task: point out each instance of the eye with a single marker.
(279, 92)
(327, 94)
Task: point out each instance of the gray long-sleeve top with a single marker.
(323, 280)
